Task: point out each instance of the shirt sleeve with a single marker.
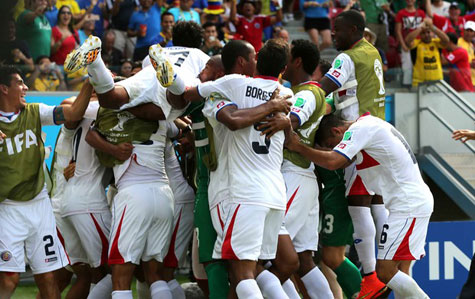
(266, 21)
(47, 115)
(133, 21)
(91, 111)
(304, 106)
(223, 86)
(341, 69)
(415, 43)
(172, 129)
(354, 140)
(399, 17)
(214, 105)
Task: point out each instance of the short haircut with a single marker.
(167, 13)
(6, 74)
(452, 37)
(353, 18)
(187, 34)
(208, 24)
(39, 58)
(309, 53)
(325, 66)
(273, 57)
(231, 51)
(326, 124)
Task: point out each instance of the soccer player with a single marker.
(356, 80)
(376, 145)
(28, 229)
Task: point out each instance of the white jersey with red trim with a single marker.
(254, 161)
(182, 191)
(387, 166)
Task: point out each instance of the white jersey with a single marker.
(144, 87)
(387, 166)
(254, 162)
(218, 188)
(303, 108)
(84, 192)
(182, 191)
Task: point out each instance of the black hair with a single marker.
(325, 66)
(166, 13)
(353, 18)
(256, 3)
(71, 23)
(231, 51)
(187, 34)
(326, 124)
(452, 37)
(208, 24)
(309, 53)
(273, 57)
(39, 58)
(6, 73)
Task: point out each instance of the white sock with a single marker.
(290, 290)
(103, 289)
(176, 289)
(270, 285)
(160, 290)
(122, 294)
(178, 85)
(364, 236)
(143, 291)
(99, 76)
(316, 284)
(380, 216)
(91, 286)
(248, 289)
(406, 287)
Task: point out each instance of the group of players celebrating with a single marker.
(259, 148)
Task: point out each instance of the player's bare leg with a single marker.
(243, 273)
(153, 271)
(47, 286)
(80, 288)
(286, 260)
(63, 278)
(8, 283)
(402, 284)
(122, 276)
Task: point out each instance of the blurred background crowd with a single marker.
(419, 41)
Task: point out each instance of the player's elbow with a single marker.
(333, 164)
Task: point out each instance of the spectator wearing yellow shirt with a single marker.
(466, 42)
(78, 13)
(46, 76)
(425, 52)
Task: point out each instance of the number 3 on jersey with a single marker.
(257, 147)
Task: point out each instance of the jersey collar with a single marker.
(315, 83)
(363, 115)
(267, 78)
(356, 43)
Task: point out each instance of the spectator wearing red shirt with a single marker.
(64, 37)
(407, 20)
(457, 59)
(458, 21)
(249, 24)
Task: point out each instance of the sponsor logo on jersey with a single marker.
(347, 135)
(51, 259)
(257, 25)
(6, 256)
(358, 241)
(299, 102)
(220, 104)
(123, 117)
(338, 64)
(336, 74)
(19, 142)
(341, 145)
(296, 110)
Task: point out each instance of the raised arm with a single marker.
(412, 36)
(233, 14)
(75, 111)
(148, 111)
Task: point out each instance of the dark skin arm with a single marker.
(120, 151)
(148, 111)
(75, 111)
(328, 85)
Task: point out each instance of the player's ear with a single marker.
(4, 89)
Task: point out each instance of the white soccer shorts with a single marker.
(403, 238)
(29, 228)
(301, 216)
(182, 233)
(250, 233)
(353, 182)
(142, 223)
(86, 237)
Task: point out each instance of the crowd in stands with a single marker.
(418, 41)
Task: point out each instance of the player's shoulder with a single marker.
(285, 90)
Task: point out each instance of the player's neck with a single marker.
(411, 8)
(300, 77)
(7, 106)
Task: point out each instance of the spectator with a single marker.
(34, 28)
(64, 38)
(280, 32)
(440, 7)
(87, 29)
(427, 64)
(249, 24)
(51, 12)
(13, 50)
(466, 42)
(459, 65)
(97, 10)
(46, 77)
(145, 25)
(184, 12)
(199, 5)
(376, 20)
(317, 22)
(407, 20)
(78, 14)
(165, 36)
(126, 68)
(212, 45)
(76, 79)
(371, 37)
(458, 21)
(121, 11)
(113, 55)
